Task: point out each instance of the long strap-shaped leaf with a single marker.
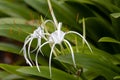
(16, 10)
(33, 71)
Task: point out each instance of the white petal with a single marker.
(71, 52)
(24, 50)
(36, 58)
(25, 43)
(38, 44)
(39, 49)
(48, 21)
(50, 58)
(28, 37)
(81, 37)
(25, 56)
(36, 61)
(29, 50)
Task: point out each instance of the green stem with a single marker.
(52, 13)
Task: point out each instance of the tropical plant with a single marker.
(19, 18)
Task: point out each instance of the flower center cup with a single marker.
(38, 33)
(57, 37)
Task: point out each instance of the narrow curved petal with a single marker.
(50, 58)
(82, 38)
(38, 44)
(36, 58)
(25, 43)
(27, 40)
(36, 61)
(71, 52)
(46, 21)
(29, 50)
(39, 49)
(28, 37)
(25, 56)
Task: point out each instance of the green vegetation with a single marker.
(97, 20)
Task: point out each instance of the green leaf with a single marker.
(115, 15)
(91, 75)
(80, 1)
(115, 18)
(117, 3)
(12, 77)
(96, 52)
(56, 74)
(15, 31)
(16, 10)
(117, 77)
(9, 47)
(3, 74)
(101, 4)
(108, 39)
(12, 21)
(39, 5)
(13, 73)
(92, 63)
(10, 68)
(117, 56)
(68, 17)
(97, 27)
(14, 1)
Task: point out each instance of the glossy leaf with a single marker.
(68, 17)
(115, 18)
(97, 27)
(16, 10)
(15, 31)
(117, 56)
(117, 77)
(101, 20)
(12, 77)
(92, 63)
(9, 47)
(105, 56)
(115, 15)
(10, 68)
(11, 72)
(108, 39)
(12, 21)
(3, 74)
(56, 74)
(100, 4)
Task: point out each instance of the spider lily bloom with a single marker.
(37, 34)
(57, 37)
(39, 47)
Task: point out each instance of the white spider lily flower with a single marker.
(57, 37)
(38, 34)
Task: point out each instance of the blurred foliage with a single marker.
(18, 18)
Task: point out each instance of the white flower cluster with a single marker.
(56, 37)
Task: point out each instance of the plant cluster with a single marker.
(84, 26)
